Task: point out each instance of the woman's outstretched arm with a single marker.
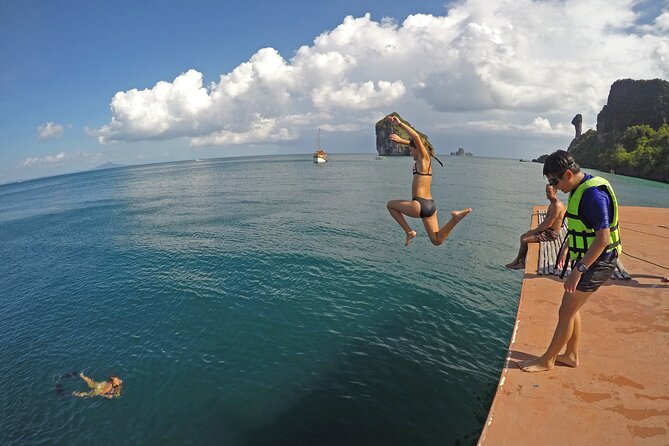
(396, 138)
(414, 135)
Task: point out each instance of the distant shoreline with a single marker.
(237, 157)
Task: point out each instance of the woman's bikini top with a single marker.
(428, 174)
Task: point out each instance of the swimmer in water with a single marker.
(421, 205)
(108, 389)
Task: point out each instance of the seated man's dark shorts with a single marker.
(597, 275)
(548, 235)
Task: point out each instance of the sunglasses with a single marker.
(554, 181)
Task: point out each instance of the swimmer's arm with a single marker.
(84, 394)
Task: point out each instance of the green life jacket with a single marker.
(580, 236)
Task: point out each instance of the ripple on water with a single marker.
(257, 301)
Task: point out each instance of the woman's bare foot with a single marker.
(568, 360)
(410, 236)
(535, 365)
(459, 215)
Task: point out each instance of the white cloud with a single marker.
(61, 158)
(539, 126)
(503, 63)
(659, 25)
(662, 21)
(358, 96)
(263, 130)
(47, 159)
(50, 130)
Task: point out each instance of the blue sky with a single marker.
(83, 83)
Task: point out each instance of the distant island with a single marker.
(461, 152)
(107, 165)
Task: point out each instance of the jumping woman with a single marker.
(421, 205)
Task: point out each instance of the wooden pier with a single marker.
(619, 394)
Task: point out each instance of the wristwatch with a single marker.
(581, 267)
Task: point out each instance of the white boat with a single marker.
(319, 155)
(380, 157)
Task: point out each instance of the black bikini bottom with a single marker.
(427, 207)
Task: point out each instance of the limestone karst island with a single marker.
(632, 134)
(386, 147)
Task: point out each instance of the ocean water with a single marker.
(261, 301)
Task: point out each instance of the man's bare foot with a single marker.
(459, 215)
(535, 365)
(536, 368)
(520, 265)
(410, 236)
(512, 264)
(527, 362)
(568, 360)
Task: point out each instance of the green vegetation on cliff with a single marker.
(643, 152)
(632, 136)
(640, 152)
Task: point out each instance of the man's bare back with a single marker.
(555, 213)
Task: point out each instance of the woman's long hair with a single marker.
(430, 149)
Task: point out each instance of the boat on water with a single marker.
(380, 157)
(319, 155)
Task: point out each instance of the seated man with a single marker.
(548, 230)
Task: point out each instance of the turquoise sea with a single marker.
(261, 301)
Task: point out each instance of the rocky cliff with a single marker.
(619, 143)
(388, 148)
(633, 102)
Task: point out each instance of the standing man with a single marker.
(594, 246)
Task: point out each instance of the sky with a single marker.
(83, 83)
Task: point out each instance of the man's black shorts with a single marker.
(598, 273)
